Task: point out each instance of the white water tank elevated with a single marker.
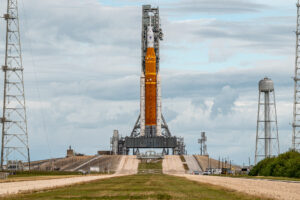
(267, 141)
(266, 85)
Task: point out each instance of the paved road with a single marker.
(263, 188)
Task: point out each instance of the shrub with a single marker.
(285, 165)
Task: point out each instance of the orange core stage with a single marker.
(150, 90)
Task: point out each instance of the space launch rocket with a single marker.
(150, 105)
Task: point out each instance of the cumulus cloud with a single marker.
(217, 6)
(224, 102)
(84, 57)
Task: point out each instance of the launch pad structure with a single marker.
(150, 130)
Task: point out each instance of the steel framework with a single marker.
(160, 136)
(150, 15)
(14, 120)
(139, 127)
(296, 108)
(202, 142)
(267, 141)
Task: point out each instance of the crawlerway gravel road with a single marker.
(263, 188)
(23, 186)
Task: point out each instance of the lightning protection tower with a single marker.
(14, 148)
(202, 142)
(296, 108)
(267, 142)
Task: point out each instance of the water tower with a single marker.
(267, 142)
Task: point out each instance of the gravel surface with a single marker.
(36, 178)
(128, 165)
(263, 188)
(23, 186)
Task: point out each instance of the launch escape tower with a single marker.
(14, 146)
(296, 108)
(267, 142)
(150, 129)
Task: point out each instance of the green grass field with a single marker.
(147, 186)
(151, 165)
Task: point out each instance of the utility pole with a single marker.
(201, 148)
(14, 120)
(222, 163)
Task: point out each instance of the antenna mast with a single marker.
(14, 148)
(296, 109)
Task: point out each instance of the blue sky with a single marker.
(82, 67)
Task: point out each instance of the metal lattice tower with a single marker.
(267, 142)
(296, 109)
(202, 142)
(14, 146)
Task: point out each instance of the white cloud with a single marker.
(85, 58)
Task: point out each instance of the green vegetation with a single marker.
(185, 166)
(138, 187)
(151, 165)
(182, 158)
(285, 165)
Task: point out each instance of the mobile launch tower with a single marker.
(150, 129)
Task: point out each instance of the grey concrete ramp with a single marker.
(128, 165)
(85, 163)
(192, 164)
(102, 163)
(172, 165)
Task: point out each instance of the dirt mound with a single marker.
(76, 163)
(59, 164)
(207, 162)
